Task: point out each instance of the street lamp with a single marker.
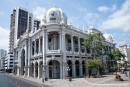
(68, 69)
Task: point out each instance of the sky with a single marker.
(111, 16)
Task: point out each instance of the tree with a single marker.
(116, 55)
(95, 43)
(90, 64)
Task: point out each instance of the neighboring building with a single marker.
(47, 50)
(9, 61)
(2, 56)
(125, 50)
(21, 20)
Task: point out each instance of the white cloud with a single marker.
(4, 38)
(120, 19)
(103, 8)
(92, 19)
(113, 8)
(1, 13)
(81, 9)
(39, 12)
(106, 9)
(73, 20)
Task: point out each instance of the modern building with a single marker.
(2, 56)
(48, 50)
(9, 61)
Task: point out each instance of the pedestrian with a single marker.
(126, 74)
(33, 75)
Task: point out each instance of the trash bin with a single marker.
(46, 79)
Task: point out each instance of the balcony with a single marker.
(53, 51)
(76, 53)
(82, 53)
(68, 52)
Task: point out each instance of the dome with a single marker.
(108, 37)
(55, 15)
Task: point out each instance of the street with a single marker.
(8, 81)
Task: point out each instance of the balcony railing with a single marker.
(82, 53)
(69, 52)
(53, 51)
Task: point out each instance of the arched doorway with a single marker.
(54, 69)
(70, 67)
(36, 69)
(41, 69)
(22, 62)
(32, 69)
(83, 66)
(77, 67)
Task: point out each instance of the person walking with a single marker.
(125, 73)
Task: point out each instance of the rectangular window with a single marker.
(52, 19)
(69, 41)
(49, 39)
(76, 42)
(76, 49)
(69, 48)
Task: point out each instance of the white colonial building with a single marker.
(53, 47)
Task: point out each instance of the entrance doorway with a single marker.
(54, 69)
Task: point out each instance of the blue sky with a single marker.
(112, 16)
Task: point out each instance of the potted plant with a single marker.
(68, 78)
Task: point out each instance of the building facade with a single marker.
(2, 57)
(124, 49)
(9, 61)
(48, 50)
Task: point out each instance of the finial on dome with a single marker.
(54, 5)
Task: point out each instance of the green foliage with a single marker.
(117, 55)
(96, 41)
(115, 68)
(92, 64)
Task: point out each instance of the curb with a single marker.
(33, 82)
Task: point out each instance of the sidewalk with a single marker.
(105, 81)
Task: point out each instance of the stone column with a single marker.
(80, 69)
(73, 70)
(46, 41)
(72, 44)
(61, 73)
(44, 56)
(29, 61)
(54, 42)
(18, 70)
(79, 45)
(34, 70)
(64, 55)
(38, 70)
(60, 40)
(26, 58)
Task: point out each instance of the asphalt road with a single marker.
(8, 81)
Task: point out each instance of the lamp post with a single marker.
(68, 69)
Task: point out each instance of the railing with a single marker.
(69, 52)
(53, 51)
(76, 52)
(82, 53)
